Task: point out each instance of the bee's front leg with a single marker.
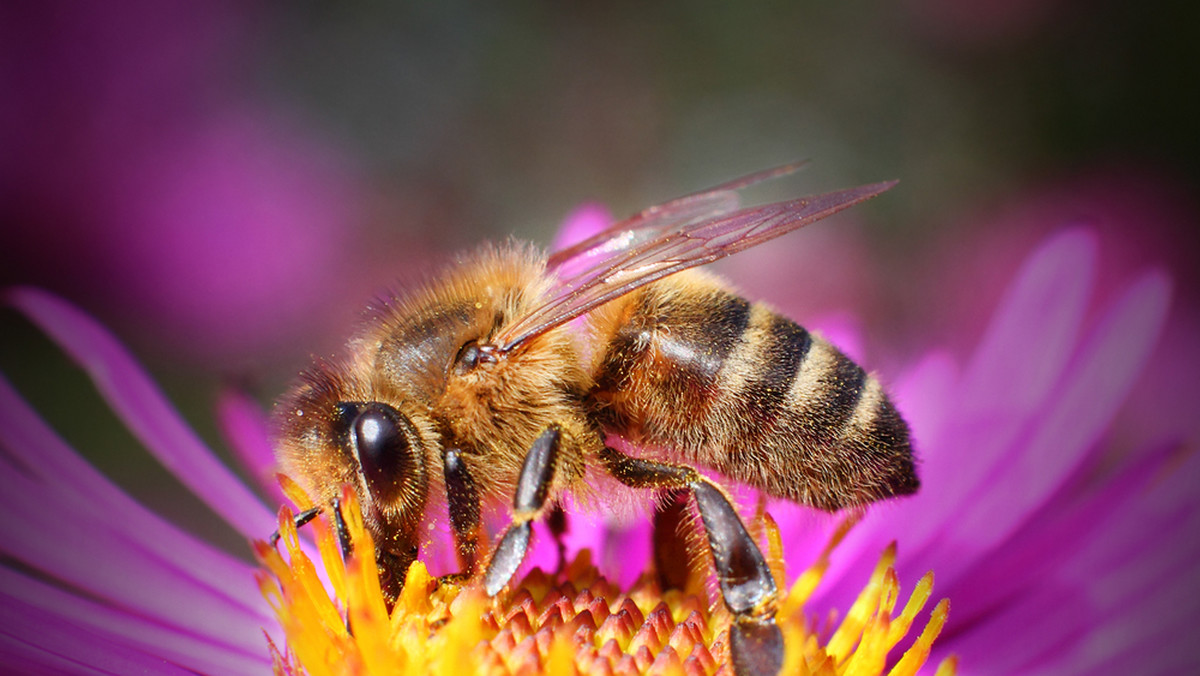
(339, 526)
(533, 486)
(392, 558)
(300, 520)
(747, 585)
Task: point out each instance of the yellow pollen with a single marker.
(574, 622)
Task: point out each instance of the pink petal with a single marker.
(117, 627)
(88, 551)
(1100, 376)
(1032, 332)
(1051, 543)
(141, 405)
(1040, 313)
(243, 423)
(626, 553)
(1024, 352)
(1020, 637)
(59, 493)
(36, 641)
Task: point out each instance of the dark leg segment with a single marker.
(339, 523)
(533, 485)
(556, 520)
(747, 586)
(755, 646)
(746, 581)
(507, 557)
(463, 499)
(300, 520)
(393, 567)
(672, 556)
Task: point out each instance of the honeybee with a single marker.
(480, 385)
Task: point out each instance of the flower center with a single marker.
(573, 622)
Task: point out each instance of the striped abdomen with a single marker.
(694, 369)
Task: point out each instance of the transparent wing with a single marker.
(653, 221)
(663, 240)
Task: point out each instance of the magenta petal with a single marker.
(584, 531)
(51, 469)
(66, 520)
(244, 425)
(1080, 410)
(1026, 348)
(1032, 332)
(626, 552)
(1019, 637)
(987, 468)
(1150, 634)
(1024, 352)
(1041, 313)
(1051, 545)
(1142, 545)
(119, 627)
(93, 554)
(542, 552)
(925, 397)
(34, 641)
(141, 405)
(1054, 447)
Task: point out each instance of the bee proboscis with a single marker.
(479, 387)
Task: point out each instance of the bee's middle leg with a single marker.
(747, 585)
(462, 497)
(556, 521)
(533, 486)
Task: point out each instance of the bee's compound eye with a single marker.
(381, 438)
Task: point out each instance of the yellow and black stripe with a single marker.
(696, 370)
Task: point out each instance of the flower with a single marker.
(1056, 556)
(542, 625)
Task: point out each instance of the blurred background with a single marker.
(226, 183)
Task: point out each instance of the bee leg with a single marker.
(463, 498)
(393, 568)
(556, 520)
(532, 488)
(300, 520)
(339, 524)
(343, 536)
(672, 556)
(747, 585)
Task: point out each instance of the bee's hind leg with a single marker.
(747, 585)
(533, 485)
(673, 554)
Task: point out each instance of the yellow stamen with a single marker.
(573, 623)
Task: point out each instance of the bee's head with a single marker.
(332, 431)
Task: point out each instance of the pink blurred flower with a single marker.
(1053, 560)
(136, 177)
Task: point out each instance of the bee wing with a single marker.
(679, 236)
(656, 220)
